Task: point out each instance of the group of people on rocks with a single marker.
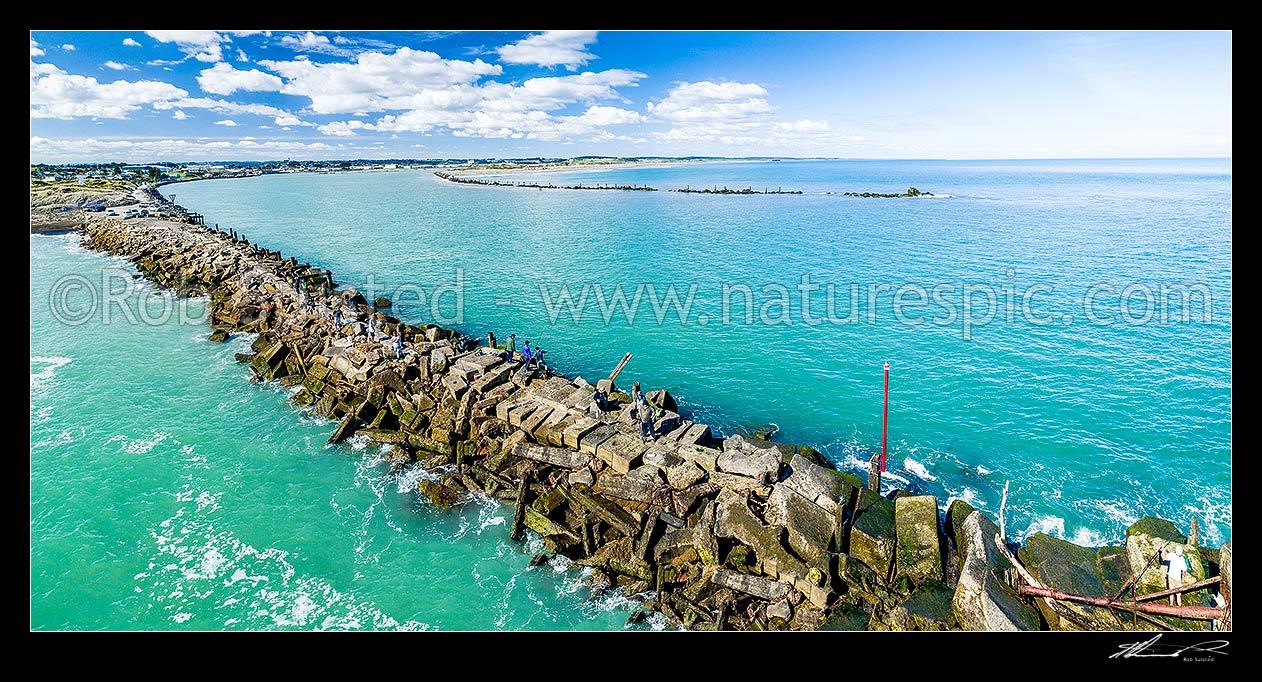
(394, 342)
(645, 413)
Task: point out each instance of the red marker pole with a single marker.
(885, 419)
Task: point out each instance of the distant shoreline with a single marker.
(570, 167)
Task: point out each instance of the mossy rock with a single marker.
(1064, 566)
(848, 617)
(382, 302)
(303, 398)
(872, 536)
(740, 558)
(852, 482)
(1114, 569)
(1157, 528)
(919, 552)
(928, 608)
(814, 456)
(440, 495)
(955, 515)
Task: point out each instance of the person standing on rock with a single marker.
(636, 395)
(645, 414)
(1177, 566)
(398, 346)
(601, 401)
(512, 345)
(526, 353)
(372, 327)
(337, 318)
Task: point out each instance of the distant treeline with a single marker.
(535, 185)
(725, 190)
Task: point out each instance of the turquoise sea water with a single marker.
(169, 493)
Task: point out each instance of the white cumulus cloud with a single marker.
(179, 115)
(342, 128)
(705, 100)
(222, 106)
(68, 47)
(57, 94)
(46, 150)
(551, 48)
(222, 79)
(131, 42)
(35, 49)
(308, 40)
(116, 66)
(204, 46)
(736, 115)
(227, 122)
(374, 79)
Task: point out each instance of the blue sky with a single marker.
(142, 96)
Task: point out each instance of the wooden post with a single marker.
(519, 507)
(618, 370)
(874, 474)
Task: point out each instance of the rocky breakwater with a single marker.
(714, 533)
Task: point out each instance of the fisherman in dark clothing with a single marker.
(645, 415)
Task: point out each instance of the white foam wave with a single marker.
(918, 469)
(1051, 525)
(966, 494)
(44, 377)
(143, 446)
(212, 574)
(1085, 537)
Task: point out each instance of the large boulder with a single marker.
(771, 590)
(919, 553)
(810, 527)
(663, 399)
(1114, 569)
(1064, 566)
(735, 520)
(928, 608)
(955, 515)
(873, 533)
(983, 600)
(567, 459)
(1146, 540)
(816, 483)
(743, 460)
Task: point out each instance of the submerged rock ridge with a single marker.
(714, 533)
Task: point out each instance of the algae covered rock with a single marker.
(919, 553)
(928, 608)
(1064, 566)
(1146, 540)
(810, 527)
(872, 536)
